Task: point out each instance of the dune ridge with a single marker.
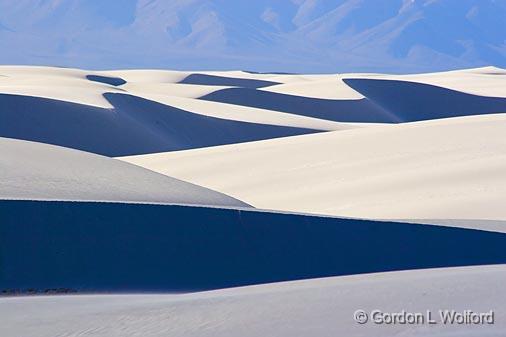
(441, 169)
(135, 181)
(317, 307)
(129, 112)
(122, 247)
(35, 171)
(134, 126)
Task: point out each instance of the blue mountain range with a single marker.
(261, 35)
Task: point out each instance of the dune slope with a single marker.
(134, 126)
(188, 154)
(411, 101)
(34, 171)
(338, 110)
(122, 247)
(119, 113)
(320, 307)
(444, 169)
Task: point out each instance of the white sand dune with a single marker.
(135, 125)
(485, 81)
(351, 145)
(130, 112)
(174, 76)
(385, 172)
(34, 171)
(318, 307)
(118, 113)
(444, 169)
(248, 114)
(62, 84)
(316, 86)
(379, 98)
(154, 86)
(160, 89)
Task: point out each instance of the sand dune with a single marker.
(378, 98)
(247, 114)
(145, 111)
(115, 81)
(34, 171)
(338, 110)
(171, 89)
(132, 247)
(444, 169)
(129, 112)
(314, 86)
(426, 150)
(63, 84)
(206, 79)
(174, 76)
(320, 307)
(134, 126)
(484, 81)
(383, 172)
(411, 101)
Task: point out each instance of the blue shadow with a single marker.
(204, 79)
(341, 110)
(411, 101)
(134, 126)
(115, 247)
(116, 81)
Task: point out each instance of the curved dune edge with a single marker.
(483, 81)
(179, 221)
(413, 101)
(317, 307)
(135, 125)
(128, 247)
(443, 169)
(243, 113)
(486, 225)
(148, 111)
(36, 171)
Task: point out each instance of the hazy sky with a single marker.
(260, 35)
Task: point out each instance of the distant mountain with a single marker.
(260, 35)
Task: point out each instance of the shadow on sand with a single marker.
(358, 110)
(134, 126)
(204, 79)
(114, 247)
(411, 101)
(116, 81)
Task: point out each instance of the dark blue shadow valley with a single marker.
(411, 101)
(134, 126)
(114, 247)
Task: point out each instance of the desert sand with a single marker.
(163, 169)
(317, 307)
(35, 171)
(442, 169)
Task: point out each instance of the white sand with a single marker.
(174, 76)
(35, 171)
(159, 90)
(443, 169)
(163, 86)
(485, 81)
(317, 86)
(72, 85)
(448, 171)
(62, 84)
(319, 307)
(248, 114)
